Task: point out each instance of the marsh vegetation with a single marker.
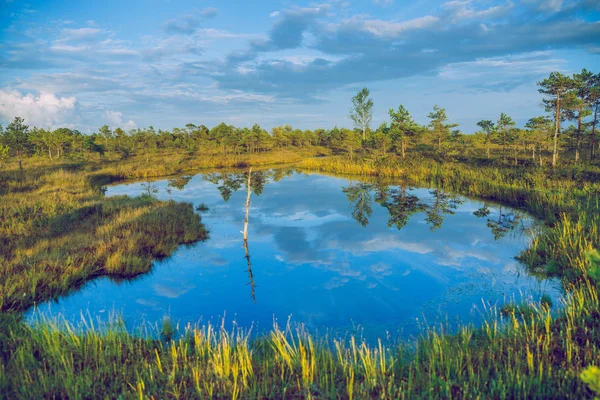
(60, 227)
(359, 255)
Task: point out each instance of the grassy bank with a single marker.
(58, 232)
(175, 163)
(53, 214)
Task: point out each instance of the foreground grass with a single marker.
(538, 356)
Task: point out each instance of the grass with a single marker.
(524, 310)
(58, 231)
(176, 163)
(539, 355)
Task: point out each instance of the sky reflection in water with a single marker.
(328, 252)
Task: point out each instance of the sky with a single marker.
(167, 63)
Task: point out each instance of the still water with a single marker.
(335, 254)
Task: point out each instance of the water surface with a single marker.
(332, 253)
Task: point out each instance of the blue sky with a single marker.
(164, 63)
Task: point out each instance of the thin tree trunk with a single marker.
(250, 274)
(593, 133)
(364, 125)
(245, 232)
(20, 160)
(578, 139)
(403, 148)
(556, 129)
(504, 147)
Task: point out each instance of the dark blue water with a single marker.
(329, 252)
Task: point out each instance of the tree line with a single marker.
(574, 99)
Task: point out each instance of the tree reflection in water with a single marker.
(230, 183)
(245, 233)
(178, 183)
(359, 196)
(443, 204)
(399, 203)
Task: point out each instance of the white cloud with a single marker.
(383, 28)
(211, 33)
(45, 110)
(80, 33)
(462, 9)
(519, 65)
(244, 70)
(115, 119)
(554, 5)
(71, 82)
(305, 59)
(120, 52)
(189, 23)
(274, 14)
(67, 48)
(547, 5)
(304, 219)
(216, 98)
(171, 45)
(173, 290)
